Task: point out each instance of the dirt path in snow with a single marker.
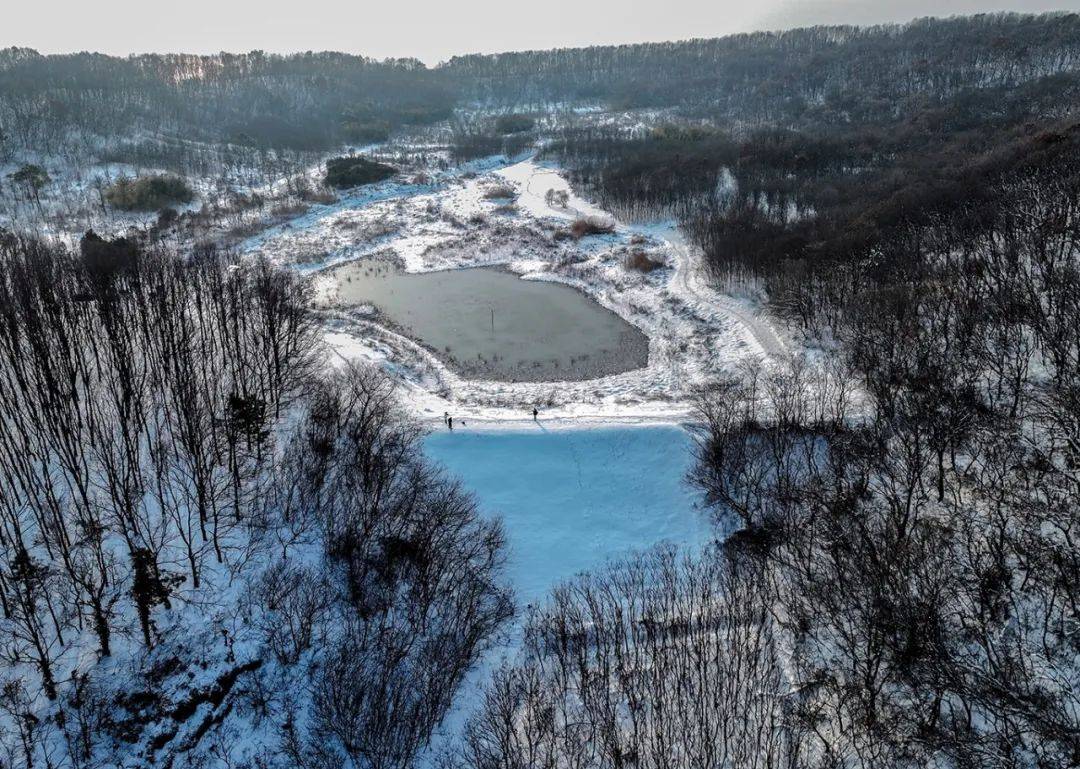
(695, 289)
(689, 279)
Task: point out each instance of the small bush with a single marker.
(591, 226)
(354, 171)
(502, 192)
(148, 193)
(642, 262)
(368, 230)
(32, 177)
(245, 230)
(514, 124)
(289, 209)
(167, 217)
(557, 198)
(324, 197)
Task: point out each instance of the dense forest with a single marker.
(222, 549)
(904, 585)
(833, 73)
(836, 100)
(907, 504)
(167, 444)
(259, 100)
(317, 100)
(802, 215)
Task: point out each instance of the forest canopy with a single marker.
(820, 75)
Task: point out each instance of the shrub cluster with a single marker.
(470, 145)
(514, 124)
(642, 262)
(365, 131)
(148, 193)
(501, 192)
(354, 170)
(591, 225)
(170, 453)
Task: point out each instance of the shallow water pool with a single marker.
(489, 323)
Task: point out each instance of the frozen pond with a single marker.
(572, 499)
(490, 324)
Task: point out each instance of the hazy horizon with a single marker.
(121, 27)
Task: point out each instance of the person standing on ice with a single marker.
(450, 422)
(535, 413)
(446, 417)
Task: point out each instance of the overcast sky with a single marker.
(432, 30)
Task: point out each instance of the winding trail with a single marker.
(706, 300)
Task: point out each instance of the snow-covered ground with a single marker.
(499, 213)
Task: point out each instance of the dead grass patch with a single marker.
(642, 262)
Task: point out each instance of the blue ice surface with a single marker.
(571, 499)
